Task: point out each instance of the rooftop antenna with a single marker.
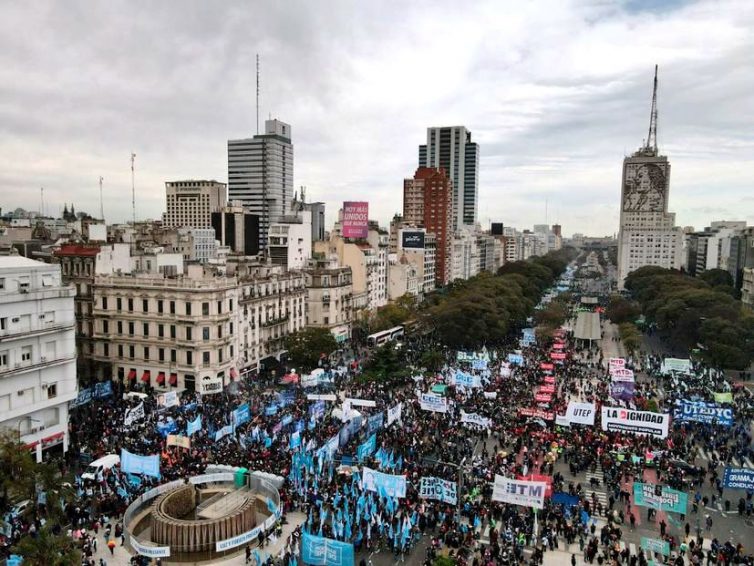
(41, 201)
(133, 189)
(652, 135)
(101, 205)
(257, 93)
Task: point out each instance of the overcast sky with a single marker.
(555, 92)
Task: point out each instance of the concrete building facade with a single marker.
(190, 203)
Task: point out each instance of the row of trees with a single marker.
(487, 308)
(696, 311)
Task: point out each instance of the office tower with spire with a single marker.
(451, 148)
(260, 174)
(648, 235)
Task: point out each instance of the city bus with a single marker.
(380, 338)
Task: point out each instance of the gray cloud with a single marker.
(555, 93)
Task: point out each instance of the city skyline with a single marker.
(361, 92)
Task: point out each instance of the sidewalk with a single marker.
(122, 557)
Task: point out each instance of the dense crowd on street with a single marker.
(512, 434)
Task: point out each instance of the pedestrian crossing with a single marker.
(599, 491)
(709, 455)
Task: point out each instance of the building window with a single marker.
(146, 328)
(189, 333)
(161, 354)
(106, 349)
(220, 355)
(104, 303)
(146, 352)
(145, 305)
(3, 358)
(205, 359)
(173, 356)
(219, 307)
(120, 350)
(119, 304)
(161, 330)
(172, 331)
(205, 309)
(219, 330)
(159, 306)
(230, 305)
(26, 353)
(130, 305)
(131, 352)
(172, 307)
(205, 333)
(131, 328)
(105, 327)
(52, 390)
(189, 358)
(188, 309)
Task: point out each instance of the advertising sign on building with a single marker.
(355, 219)
(412, 239)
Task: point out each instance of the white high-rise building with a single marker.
(37, 353)
(648, 234)
(190, 204)
(452, 149)
(260, 174)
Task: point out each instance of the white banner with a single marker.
(581, 413)
(617, 419)
(519, 492)
(361, 403)
(436, 488)
(133, 415)
(562, 420)
(327, 397)
(434, 403)
(209, 385)
(475, 419)
(622, 374)
(616, 363)
(394, 413)
(168, 399)
(490, 394)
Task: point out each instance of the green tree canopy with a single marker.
(306, 347)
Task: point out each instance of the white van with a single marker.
(94, 469)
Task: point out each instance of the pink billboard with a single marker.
(355, 219)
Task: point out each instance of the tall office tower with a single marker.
(648, 235)
(260, 174)
(190, 203)
(451, 148)
(428, 202)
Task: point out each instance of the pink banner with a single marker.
(549, 389)
(537, 413)
(544, 366)
(355, 219)
(542, 398)
(559, 356)
(549, 379)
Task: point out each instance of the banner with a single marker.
(375, 422)
(738, 478)
(223, 432)
(655, 545)
(616, 363)
(519, 492)
(615, 419)
(723, 397)
(436, 488)
(103, 389)
(167, 427)
(558, 356)
(136, 464)
(241, 415)
(134, 414)
(387, 484)
(463, 379)
(547, 389)
(295, 440)
(479, 364)
(537, 413)
(366, 449)
(180, 441)
(622, 390)
(320, 551)
(676, 364)
(168, 399)
(194, 426)
(361, 403)
(327, 397)
(394, 413)
(702, 412)
(669, 500)
(562, 420)
(622, 374)
(355, 222)
(543, 397)
(84, 396)
(581, 413)
(490, 394)
(209, 385)
(516, 359)
(475, 419)
(434, 403)
(546, 366)
(549, 379)
(472, 356)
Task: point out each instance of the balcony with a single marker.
(274, 322)
(7, 335)
(22, 367)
